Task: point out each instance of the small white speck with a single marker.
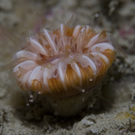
(31, 100)
(27, 104)
(39, 92)
(31, 96)
(90, 79)
(96, 15)
(83, 90)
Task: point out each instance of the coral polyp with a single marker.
(60, 62)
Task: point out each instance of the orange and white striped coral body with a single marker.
(60, 62)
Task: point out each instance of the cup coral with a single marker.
(64, 62)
